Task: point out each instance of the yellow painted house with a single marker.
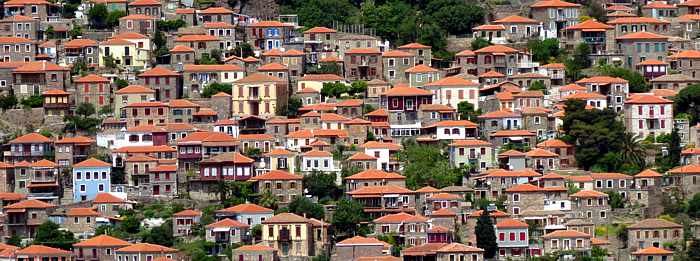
(258, 94)
(131, 94)
(290, 233)
(316, 81)
(128, 50)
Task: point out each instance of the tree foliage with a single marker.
(417, 158)
(243, 50)
(466, 111)
(637, 82)
(615, 199)
(321, 185)
(694, 206)
(595, 133)
(688, 102)
(101, 18)
(214, 88)
(347, 216)
(543, 50)
(538, 86)
(82, 119)
(479, 43)
(50, 234)
(304, 207)
(34, 101)
(8, 101)
(334, 89)
(357, 87)
(578, 61)
(486, 234)
(161, 235)
(170, 25)
(121, 83)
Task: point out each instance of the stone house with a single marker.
(146, 7)
(423, 54)
(640, 46)
(555, 16)
(81, 221)
(570, 240)
(591, 205)
(653, 233)
(182, 55)
(561, 148)
(225, 233)
(20, 26)
(184, 221)
(166, 83)
(394, 63)
(203, 44)
(149, 113)
(283, 185)
(138, 23)
(357, 247)
(99, 247)
(362, 64)
(95, 90)
(476, 153)
(255, 252)
(412, 229)
(144, 250)
(268, 35)
(33, 78)
(131, 94)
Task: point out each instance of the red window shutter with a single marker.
(522, 236)
(167, 80)
(641, 124)
(501, 236)
(157, 80)
(663, 124)
(512, 236)
(640, 110)
(102, 100)
(662, 111)
(86, 88)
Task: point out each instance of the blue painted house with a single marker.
(90, 177)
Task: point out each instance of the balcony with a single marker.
(528, 64)
(594, 40)
(284, 235)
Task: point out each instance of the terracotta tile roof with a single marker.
(144, 2)
(436, 107)
(400, 218)
(206, 136)
(212, 67)
(330, 59)
(652, 62)
(146, 104)
(102, 241)
(690, 151)
(469, 143)
(29, 203)
(319, 29)
(293, 52)
(566, 234)
(18, 18)
(648, 173)
(490, 27)
(235, 157)
(272, 67)
(12, 196)
(92, 78)
(381, 145)
(40, 250)
(181, 103)
(135, 89)
(637, 20)
(286, 218)
(511, 153)
(246, 208)
(421, 68)
(374, 174)
(363, 51)
(551, 175)
(589, 194)
(54, 92)
(510, 223)
(216, 10)
(23, 164)
(553, 66)
(159, 71)
(317, 153)
(537, 152)
(188, 213)
(585, 96)
(92, 163)
(610, 175)
(40, 66)
(44, 164)
(80, 43)
(572, 87)
(163, 258)
(255, 137)
(689, 18)
(357, 121)
(378, 112)
(524, 188)
(495, 213)
(504, 113)
(107, 198)
(590, 24)
(372, 191)
(496, 49)
(529, 94)
(452, 81)
(616, 7)
(690, 3)
(145, 248)
(185, 11)
(514, 173)
(651, 251)
(466, 53)
(516, 19)
(333, 117)
(406, 91)
(130, 36)
(82, 212)
(360, 240)
(9, 39)
(458, 248)
(271, 24)
(443, 212)
(114, 41)
(508, 133)
(553, 143)
(647, 99)
(321, 77)
(163, 168)
(308, 90)
(278, 152)
(255, 248)
(258, 78)
(277, 175)
(643, 36)
(196, 38)
(553, 3)
(427, 189)
(602, 79)
(492, 74)
(140, 158)
(30, 138)
(664, 92)
(444, 196)
(137, 17)
(414, 46)
(654, 223)
(181, 49)
(226, 223)
(396, 53)
(423, 250)
(688, 54)
(456, 123)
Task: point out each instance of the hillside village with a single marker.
(149, 130)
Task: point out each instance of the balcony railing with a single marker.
(593, 40)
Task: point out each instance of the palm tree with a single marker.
(632, 151)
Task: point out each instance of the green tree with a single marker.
(597, 11)
(418, 157)
(109, 62)
(357, 87)
(637, 82)
(34, 101)
(50, 234)
(8, 101)
(79, 67)
(198, 250)
(85, 109)
(76, 31)
(479, 43)
(321, 185)
(466, 111)
(14, 240)
(98, 16)
(543, 50)
(687, 102)
(170, 25)
(616, 200)
(334, 89)
(293, 106)
(160, 42)
(325, 68)
(538, 86)
(50, 32)
(113, 18)
(632, 151)
(694, 206)
(347, 216)
(579, 61)
(321, 12)
(161, 235)
(214, 88)
(486, 235)
(121, 83)
(693, 251)
(455, 16)
(268, 200)
(304, 207)
(243, 50)
(674, 149)
(595, 133)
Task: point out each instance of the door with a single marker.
(156, 190)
